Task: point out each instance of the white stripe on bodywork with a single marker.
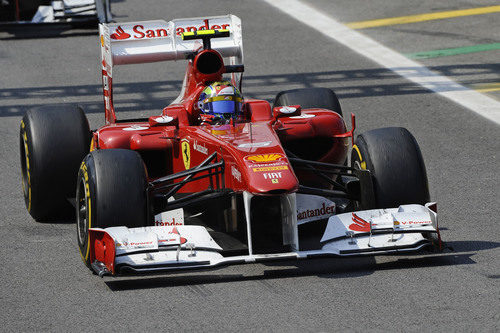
(409, 69)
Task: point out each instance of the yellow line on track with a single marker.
(488, 87)
(488, 90)
(423, 17)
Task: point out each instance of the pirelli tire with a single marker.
(393, 157)
(52, 145)
(111, 191)
(309, 98)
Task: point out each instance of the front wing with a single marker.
(118, 250)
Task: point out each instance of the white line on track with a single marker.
(409, 69)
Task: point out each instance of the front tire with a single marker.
(52, 146)
(111, 192)
(393, 157)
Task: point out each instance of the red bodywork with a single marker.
(252, 150)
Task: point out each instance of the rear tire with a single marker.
(393, 157)
(111, 192)
(52, 146)
(309, 98)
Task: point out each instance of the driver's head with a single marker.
(221, 99)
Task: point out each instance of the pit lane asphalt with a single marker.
(46, 287)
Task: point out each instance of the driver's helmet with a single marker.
(221, 100)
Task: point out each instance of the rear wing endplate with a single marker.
(152, 41)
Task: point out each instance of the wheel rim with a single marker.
(82, 213)
(356, 165)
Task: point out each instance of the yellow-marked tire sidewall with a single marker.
(85, 194)
(25, 166)
(357, 156)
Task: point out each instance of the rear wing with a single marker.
(152, 41)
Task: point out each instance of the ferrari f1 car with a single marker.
(196, 188)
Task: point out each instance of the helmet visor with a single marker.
(225, 107)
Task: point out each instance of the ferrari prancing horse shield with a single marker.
(186, 153)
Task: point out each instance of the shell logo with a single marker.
(264, 158)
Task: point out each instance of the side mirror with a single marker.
(163, 121)
(286, 111)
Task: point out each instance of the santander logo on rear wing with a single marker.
(152, 41)
(140, 32)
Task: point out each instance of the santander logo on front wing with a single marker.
(359, 224)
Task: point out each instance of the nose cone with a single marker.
(258, 163)
(270, 173)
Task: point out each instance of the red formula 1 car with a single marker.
(218, 179)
